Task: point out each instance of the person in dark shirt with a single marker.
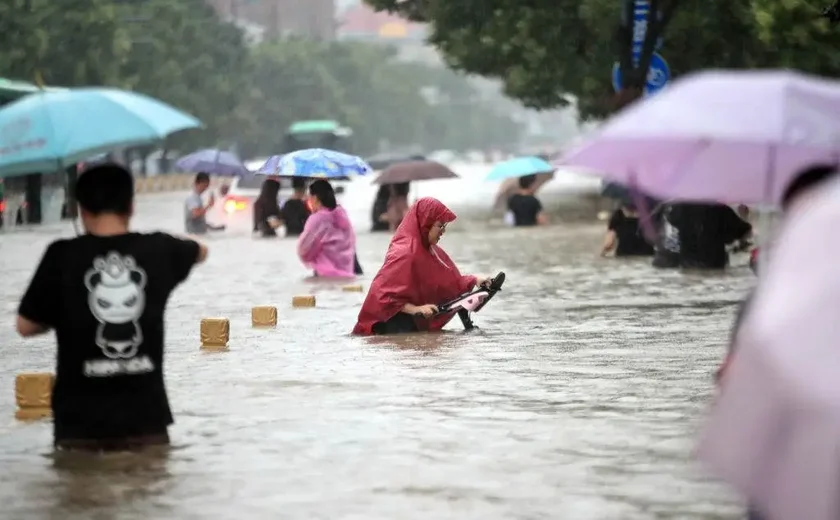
(745, 243)
(379, 211)
(104, 294)
(705, 230)
(624, 234)
(267, 214)
(295, 212)
(398, 205)
(667, 249)
(525, 208)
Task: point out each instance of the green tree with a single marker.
(287, 80)
(794, 35)
(365, 87)
(66, 45)
(183, 54)
(549, 52)
(379, 101)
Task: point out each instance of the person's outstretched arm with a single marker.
(39, 308)
(611, 238)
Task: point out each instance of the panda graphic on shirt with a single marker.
(117, 299)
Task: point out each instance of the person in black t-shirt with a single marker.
(267, 214)
(524, 208)
(379, 211)
(705, 230)
(104, 294)
(624, 234)
(294, 212)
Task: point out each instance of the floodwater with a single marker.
(579, 398)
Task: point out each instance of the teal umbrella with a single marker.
(519, 167)
(11, 90)
(49, 130)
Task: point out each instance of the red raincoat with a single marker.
(414, 272)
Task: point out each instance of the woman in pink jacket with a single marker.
(328, 243)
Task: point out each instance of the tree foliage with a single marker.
(182, 53)
(550, 51)
(793, 34)
(71, 47)
(367, 88)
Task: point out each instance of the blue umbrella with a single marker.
(519, 167)
(214, 162)
(315, 163)
(48, 131)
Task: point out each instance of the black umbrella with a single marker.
(414, 171)
(382, 161)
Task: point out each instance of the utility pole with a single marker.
(274, 20)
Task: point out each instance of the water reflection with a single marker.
(577, 398)
(75, 485)
(427, 344)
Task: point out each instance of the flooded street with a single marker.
(578, 399)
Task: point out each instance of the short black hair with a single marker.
(323, 191)
(526, 181)
(299, 183)
(402, 189)
(805, 179)
(106, 188)
(202, 177)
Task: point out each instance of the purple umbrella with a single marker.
(723, 136)
(214, 162)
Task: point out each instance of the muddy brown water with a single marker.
(579, 398)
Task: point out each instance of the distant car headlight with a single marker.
(233, 204)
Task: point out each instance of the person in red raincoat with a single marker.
(416, 275)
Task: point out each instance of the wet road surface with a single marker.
(578, 399)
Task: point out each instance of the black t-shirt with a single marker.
(525, 209)
(380, 206)
(705, 230)
(294, 214)
(262, 212)
(628, 232)
(105, 299)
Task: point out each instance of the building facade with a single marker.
(310, 18)
(361, 22)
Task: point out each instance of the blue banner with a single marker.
(641, 8)
(659, 74)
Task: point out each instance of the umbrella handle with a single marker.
(644, 214)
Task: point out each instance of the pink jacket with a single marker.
(328, 244)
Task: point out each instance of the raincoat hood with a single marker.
(418, 222)
(414, 271)
(328, 243)
(339, 218)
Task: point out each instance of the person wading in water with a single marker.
(104, 294)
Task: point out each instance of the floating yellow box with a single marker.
(215, 332)
(264, 316)
(33, 393)
(303, 301)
